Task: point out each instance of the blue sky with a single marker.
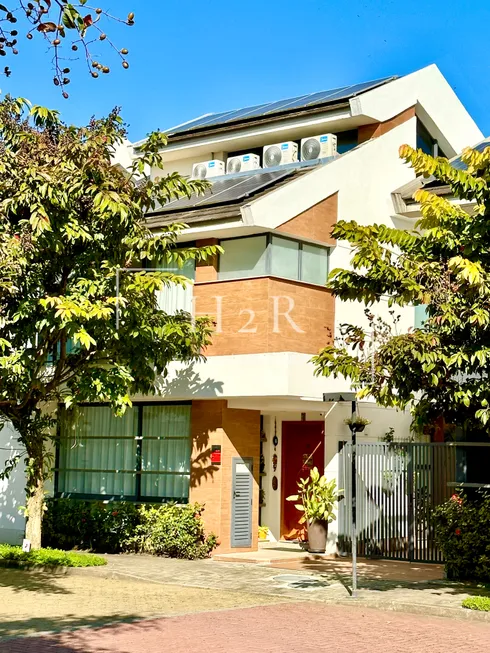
(205, 56)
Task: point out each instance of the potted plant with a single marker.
(263, 533)
(357, 423)
(316, 499)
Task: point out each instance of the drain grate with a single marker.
(301, 582)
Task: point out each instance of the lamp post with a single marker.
(342, 398)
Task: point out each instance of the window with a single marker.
(144, 455)
(284, 258)
(420, 316)
(347, 140)
(273, 255)
(243, 257)
(314, 264)
(174, 298)
(426, 143)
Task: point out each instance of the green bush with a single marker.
(462, 532)
(481, 603)
(48, 558)
(175, 531)
(94, 525)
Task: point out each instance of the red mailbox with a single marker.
(216, 454)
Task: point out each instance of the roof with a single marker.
(273, 110)
(229, 193)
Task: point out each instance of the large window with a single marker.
(273, 255)
(243, 257)
(174, 298)
(142, 456)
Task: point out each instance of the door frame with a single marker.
(249, 461)
(283, 462)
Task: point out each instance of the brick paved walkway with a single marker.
(306, 627)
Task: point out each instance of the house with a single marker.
(235, 431)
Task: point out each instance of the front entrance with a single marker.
(303, 447)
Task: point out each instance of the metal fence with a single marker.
(398, 486)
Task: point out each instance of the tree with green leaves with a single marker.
(441, 370)
(71, 222)
(68, 28)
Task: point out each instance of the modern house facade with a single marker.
(237, 430)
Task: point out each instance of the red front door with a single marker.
(303, 447)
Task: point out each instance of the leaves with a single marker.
(70, 224)
(441, 369)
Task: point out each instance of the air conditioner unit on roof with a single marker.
(242, 163)
(208, 169)
(318, 147)
(280, 154)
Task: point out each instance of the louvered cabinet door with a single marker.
(241, 513)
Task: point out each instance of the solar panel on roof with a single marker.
(229, 189)
(268, 109)
(458, 163)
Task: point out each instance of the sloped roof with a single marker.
(273, 110)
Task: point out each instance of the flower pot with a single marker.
(317, 536)
(359, 427)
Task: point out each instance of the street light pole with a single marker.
(344, 397)
(354, 504)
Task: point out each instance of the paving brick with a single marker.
(307, 627)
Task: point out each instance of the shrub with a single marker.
(175, 531)
(94, 525)
(462, 532)
(48, 558)
(481, 603)
(171, 530)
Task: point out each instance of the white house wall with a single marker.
(12, 490)
(438, 105)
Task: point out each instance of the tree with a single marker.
(63, 25)
(75, 220)
(442, 369)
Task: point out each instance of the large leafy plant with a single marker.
(316, 499)
(441, 370)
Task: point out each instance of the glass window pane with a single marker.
(167, 450)
(174, 298)
(98, 440)
(285, 258)
(314, 264)
(420, 316)
(243, 257)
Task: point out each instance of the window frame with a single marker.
(138, 471)
(268, 257)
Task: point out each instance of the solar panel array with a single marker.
(458, 163)
(228, 189)
(260, 110)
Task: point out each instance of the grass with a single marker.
(480, 603)
(48, 558)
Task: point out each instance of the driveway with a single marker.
(307, 627)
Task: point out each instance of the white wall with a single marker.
(12, 490)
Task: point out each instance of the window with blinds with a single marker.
(142, 456)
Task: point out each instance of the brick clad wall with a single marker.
(247, 323)
(207, 270)
(365, 132)
(316, 222)
(238, 433)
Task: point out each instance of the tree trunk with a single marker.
(35, 509)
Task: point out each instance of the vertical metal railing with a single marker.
(398, 486)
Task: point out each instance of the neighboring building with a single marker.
(234, 431)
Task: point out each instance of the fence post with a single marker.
(410, 491)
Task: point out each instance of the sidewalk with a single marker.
(391, 586)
